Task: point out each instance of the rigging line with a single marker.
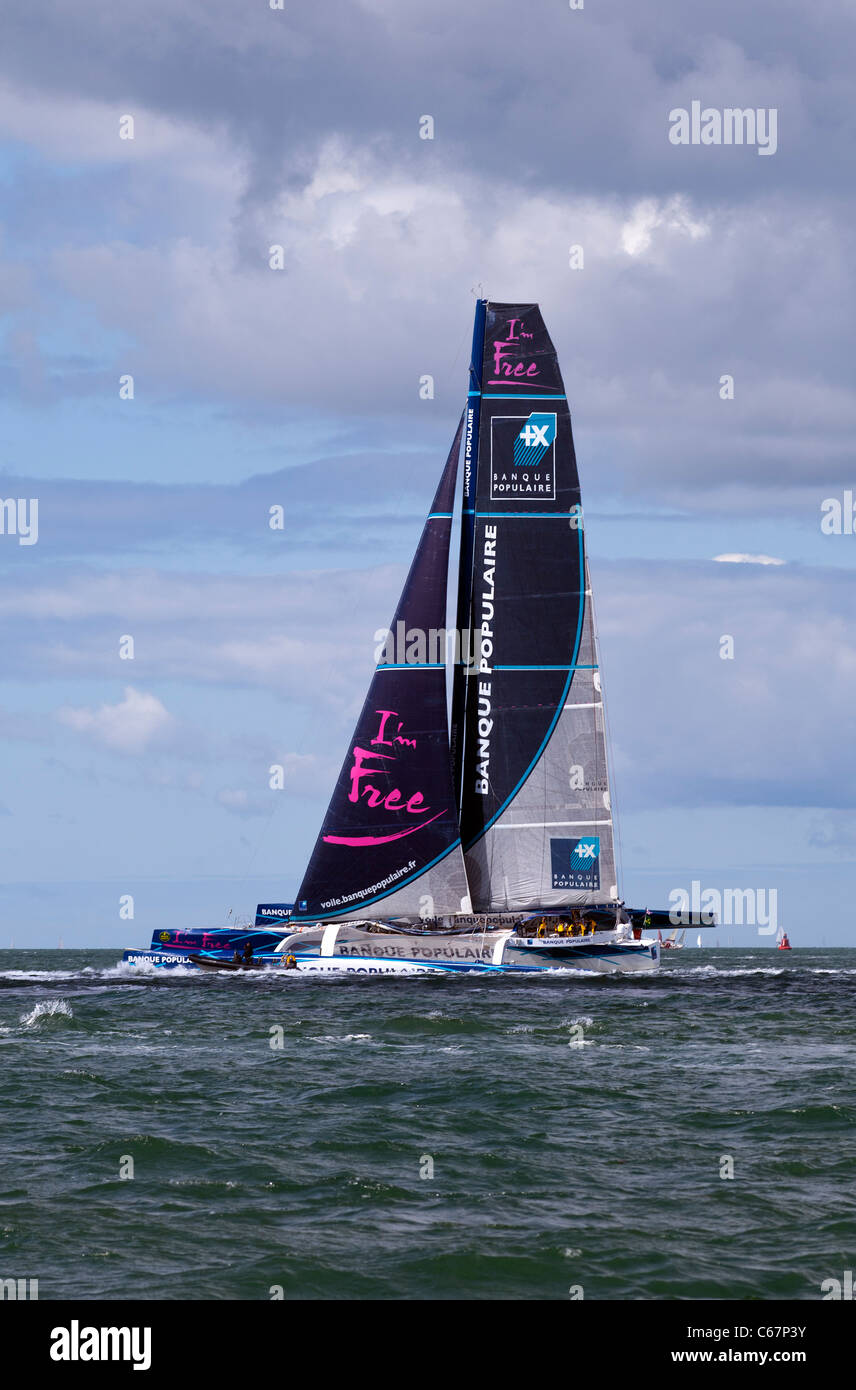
(273, 810)
(610, 755)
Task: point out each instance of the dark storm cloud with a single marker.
(538, 93)
(299, 128)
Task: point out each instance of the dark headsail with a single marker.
(535, 817)
(390, 842)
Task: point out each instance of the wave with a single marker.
(49, 1010)
(737, 970)
(124, 970)
(132, 970)
(343, 1038)
(721, 971)
(38, 975)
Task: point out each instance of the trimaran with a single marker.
(485, 842)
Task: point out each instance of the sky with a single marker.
(149, 258)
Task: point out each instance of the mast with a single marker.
(472, 419)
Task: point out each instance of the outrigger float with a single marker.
(481, 843)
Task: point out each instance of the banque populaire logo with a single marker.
(523, 457)
(576, 863)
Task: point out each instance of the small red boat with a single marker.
(784, 943)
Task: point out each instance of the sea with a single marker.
(178, 1135)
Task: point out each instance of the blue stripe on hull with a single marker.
(464, 967)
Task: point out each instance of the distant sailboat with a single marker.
(675, 942)
(487, 845)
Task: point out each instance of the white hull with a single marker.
(354, 950)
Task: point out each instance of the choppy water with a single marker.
(594, 1164)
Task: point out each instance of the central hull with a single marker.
(361, 950)
(606, 961)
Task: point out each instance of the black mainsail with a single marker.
(535, 810)
(390, 842)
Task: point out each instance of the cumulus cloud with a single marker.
(131, 726)
(737, 559)
(647, 215)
